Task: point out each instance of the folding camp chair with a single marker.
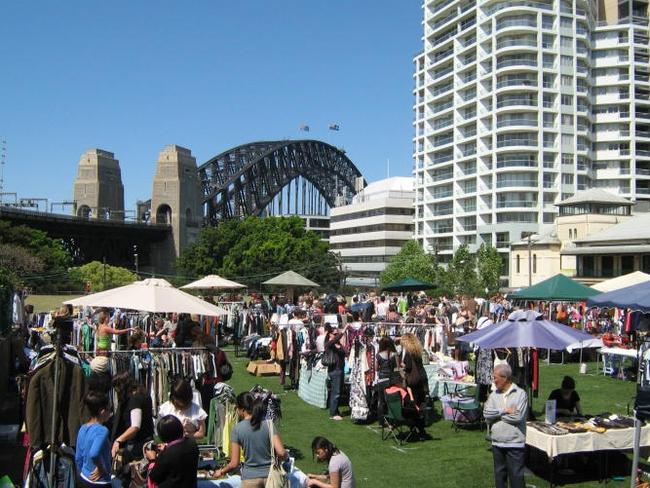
(395, 424)
(470, 411)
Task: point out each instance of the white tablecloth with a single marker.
(618, 351)
(613, 439)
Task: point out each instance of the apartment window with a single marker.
(534, 263)
(519, 263)
(567, 23)
(548, 218)
(567, 100)
(570, 234)
(575, 233)
(567, 80)
(566, 42)
(567, 179)
(567, 120)
(567, 159)
(567, 140)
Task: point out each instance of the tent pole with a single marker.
(635, 457)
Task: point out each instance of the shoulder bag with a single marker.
(277, 475)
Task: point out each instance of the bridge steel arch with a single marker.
(244, 180)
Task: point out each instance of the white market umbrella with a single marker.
(150, 295)
(212, 282)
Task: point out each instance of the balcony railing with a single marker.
(517, 42)
(516, 122)
(516, 62)
(516, 22)
(516, 101)
(516, 82)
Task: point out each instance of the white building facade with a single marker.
(519, 104)
(372, 229)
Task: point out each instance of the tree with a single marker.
(410, 262)
(102, 277)
(30, 257)
(490, 265)
(252, 250)
(460, 276)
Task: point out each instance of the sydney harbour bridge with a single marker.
(301, 177)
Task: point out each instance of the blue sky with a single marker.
(130, 77)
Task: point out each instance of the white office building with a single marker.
(372, 229)
(519, 104)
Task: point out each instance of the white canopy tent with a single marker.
(150, 295)
(622, 281)
(213, 282)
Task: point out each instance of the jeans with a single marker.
(508, 465)
(336, 385)
(64, 476)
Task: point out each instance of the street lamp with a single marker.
(135, 260)
(530, 239)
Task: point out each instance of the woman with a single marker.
(335, 370)
(133, 424)
(414, 373)
(253, 436)
(387, 372)
(181, 406)
(176, 460)
(105, 332)
(339, 466)
(566, 398)
(93, 450)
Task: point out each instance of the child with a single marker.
(93, 455)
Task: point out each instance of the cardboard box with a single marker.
(262, 368)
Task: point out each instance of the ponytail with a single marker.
(253, 406)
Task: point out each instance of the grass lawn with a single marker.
(452, 459)
(47, 303)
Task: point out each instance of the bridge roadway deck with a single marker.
(95, 239)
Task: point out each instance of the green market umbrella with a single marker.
(559, 288)
(408, 284)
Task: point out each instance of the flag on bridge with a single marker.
(334, 126)
(304, 127)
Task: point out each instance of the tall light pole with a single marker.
(135, 260)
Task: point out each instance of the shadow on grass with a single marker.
(579, 467)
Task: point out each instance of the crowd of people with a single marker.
(166, 438)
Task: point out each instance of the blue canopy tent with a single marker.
(635, 297)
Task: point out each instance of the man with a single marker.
(505, 411)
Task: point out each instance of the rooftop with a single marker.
(396, 187)
(594, 195)
(635, 229)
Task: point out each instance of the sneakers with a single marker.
(336, 417)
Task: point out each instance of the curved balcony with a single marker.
(516, 44)
(515, 103)
(523, 23)
(521, 64)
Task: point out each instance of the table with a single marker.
(438, 387)
(586, 442)
(611, 440)
(614, 351)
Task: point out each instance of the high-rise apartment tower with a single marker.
(518, 105)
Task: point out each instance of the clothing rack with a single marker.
(150, 349)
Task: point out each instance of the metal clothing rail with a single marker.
(151, 349)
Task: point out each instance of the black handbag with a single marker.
(329, 358)
(428, 413)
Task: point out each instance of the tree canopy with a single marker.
(28, 257)
(102, 277)
(489, 265)
(254, 249)
(465, 274)
(410, 262)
